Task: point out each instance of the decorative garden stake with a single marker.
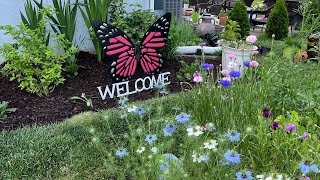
(126, 56)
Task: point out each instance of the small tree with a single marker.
(240, 15)
(278, 21)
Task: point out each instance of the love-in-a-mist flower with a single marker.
(291, 128)
(154, 150)
(254, 64)
(132, 109)
(234, 137)
(232, 158)
(151, 138)
(158, 86)
(211, 144)
(207, 66)
(199, 158)
(266, 112)
(169, 129)
(305, 136)
(224, 72)
(306, 167)
(123, 116)
(197, 77)
(234, 74)
(122, 101)
(141, 150)
(194, 131)
(246, 63)
(244, 176)
(255, 53)
(183, 118)
(121, 152)
(231, 56)
(275, 125)
(225, 82)
(139, 111)
(251, 39)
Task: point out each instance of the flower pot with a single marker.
(223, 20)
(264, 50)
(219, 29)
(241, 56)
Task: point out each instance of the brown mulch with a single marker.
(32, 109)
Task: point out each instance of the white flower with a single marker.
(199, 158)
(197, 131)
(141, 150)
(260, 176)
(279, 177)
(154, 150)
(268, 178)
(212, 144)
(132, 109)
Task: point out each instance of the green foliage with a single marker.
(5, 110)
(278, 21)
(135, 22)
(95, 10)
(240, 15)
(311, 17)
(232, 31)
(35, 66)
(181, 34)
(84, 99)
(186, 71)
(195, 17)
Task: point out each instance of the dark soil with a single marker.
(32, 109)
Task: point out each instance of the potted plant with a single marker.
(234, 48)
(223, 16)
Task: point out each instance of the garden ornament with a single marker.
(313, 41)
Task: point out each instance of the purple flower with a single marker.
(197, 77)
(202, 44)
(151, 138)
(305, 135)
(266, 113)
(291, 128)
(225, 82)
(275, 125)
(231, 158)
(246, 63)
(235, 74)
(246, 176)
(234, 137)
(207, 66)
(183, 118)
(305, 178)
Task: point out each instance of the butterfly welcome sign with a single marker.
(127, 57)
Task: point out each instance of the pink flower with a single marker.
(224, 72)
(197, 77)
(255, 52)
(253, 63)
(263, 17)
(251, 39)
(231, 56)
(231, 65)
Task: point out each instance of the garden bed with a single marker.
(57, 106)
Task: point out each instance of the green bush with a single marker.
(30, 61)
(240, 15)
(278, 21)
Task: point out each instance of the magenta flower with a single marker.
(253, 63)
(197, 77)
(266, 113)
(291, 128)
(251, 39)
(224, 72)
(305, 135)
(231, 56)
(255, 52)
(202, 44)
(275, 125)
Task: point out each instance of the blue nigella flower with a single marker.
(151, 139)
(183, 118)
(234, 137)
(139, 111)
(235, 74)
(246, 63)
(123, 101)
(225, 82)
(231, 158)
(159, 86)
(207, 66)
(169, 129)
(121, 152)
(123, 106)
(246, 176)
(123, 116)
(307, 167)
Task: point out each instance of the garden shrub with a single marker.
(240, 15)
(278, 21)
(30, 61)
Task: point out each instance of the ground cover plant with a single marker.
(254, 127)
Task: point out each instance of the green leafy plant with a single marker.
(4, 109)
(240, 15)
(311, 17)
(278, 21)
(32, 18)
(35, 66)
(195, 17)
(95, 10)
(84, 99)
(186, 70)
